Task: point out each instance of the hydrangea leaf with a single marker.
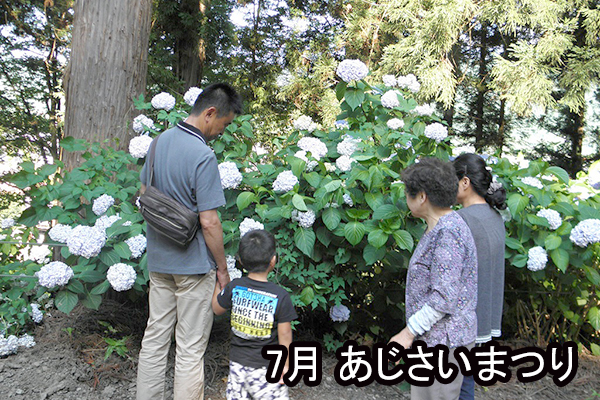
(559, 173)
(244, 199)
(305, 240)
(371, 254)
(307, 295)
(378, 238)
(331, 218)
(66, 301)
(354, 97)
(92, 301)
(386, 211)
(298, 202)
(593, 317)
(517, 203)
(354, 232)
(101, 288)
(404, 239)
(552, 242)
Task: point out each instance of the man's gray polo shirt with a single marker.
(186, 169)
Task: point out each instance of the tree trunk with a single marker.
(106, 70)
(577, 143)
(481, 90)
(191, 49)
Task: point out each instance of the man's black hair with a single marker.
(222, 96)
(256, 250)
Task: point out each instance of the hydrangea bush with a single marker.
(333, 198)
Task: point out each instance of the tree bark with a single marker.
(106, 70)
(481, 91)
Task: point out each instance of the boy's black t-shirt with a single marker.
(256, 309)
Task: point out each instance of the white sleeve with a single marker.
(422, 321)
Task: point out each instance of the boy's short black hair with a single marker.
(434, 177)
(256, 250)
(222, 96)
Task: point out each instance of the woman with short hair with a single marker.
(441, 285)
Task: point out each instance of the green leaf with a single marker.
(66, 301)
(342, 256)
(307, 295)
(514, 244)
(354, 97)
(76, 286)
(560, 173)
(371, 254)
(386, 211)
(560, 257)
(374, 200)
(48, 169)
(340, 90)
(592, 275)
(520, 260)
(333, 186)
(101, 288)
(593, 318)
(535, 220)
(517, 203)
(305, 240)
(122, 249)
(92, 276)
(298, 202)
(324, 236)
(552, 242)
(313, 179)
(404, 239)
(244, 199)
(109, 258)
(595, 349)
(331, 218)
(92, 301)
(378, 238)
(354, 232)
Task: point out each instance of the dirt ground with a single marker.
(68, 362)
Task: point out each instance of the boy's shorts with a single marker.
(247, 383)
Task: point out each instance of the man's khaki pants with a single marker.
(183, 303)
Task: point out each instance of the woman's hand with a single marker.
(405, 338)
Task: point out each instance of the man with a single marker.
(182, 279)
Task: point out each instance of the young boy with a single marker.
(261, 314)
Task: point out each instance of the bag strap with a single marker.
(151, 159)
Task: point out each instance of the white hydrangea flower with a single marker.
(425, 110)
(348, 146)
(314, 145)
(329, 167)
(137, 245)
(163, 101)
(552, 216)
(39, 254)
(341, 124)
(395, 123)
(310, 164)
(285, 182)
(121, 277)
(36, 315)
(248, 224)
(86, 241)
(7, 223)
(234, 273)
(436, 131)
(102, 204)
(26, 341)
(231, 177)
(140, 122)
(390, 99)
(531, 181)
(409, 82)
(60, 233)
(191, 95)
(139, 146)
(406, 146)
(536, 258)
(55, 273)
(348, 200)
(305, 219)
(344, 163)
(284, 79)
(586, 232)
(9, 345)
(389, 80)
(305, 123)
(339, 313)
(352, 70)
(105, 222)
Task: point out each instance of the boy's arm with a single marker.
(284, 333)
(217, 309)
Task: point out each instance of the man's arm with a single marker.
(284, 334)
(213, 236)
